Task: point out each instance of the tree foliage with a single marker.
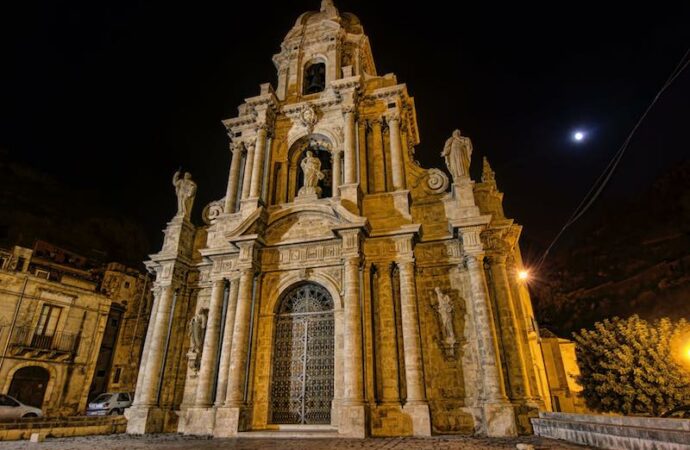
(631, 366)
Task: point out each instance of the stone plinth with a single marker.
(200, 421)
(499, 419)
(144, 420)
(353, 421)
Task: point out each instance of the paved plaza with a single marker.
(161, 442)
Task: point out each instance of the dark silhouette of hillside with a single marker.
(629, 258)
(34, 206)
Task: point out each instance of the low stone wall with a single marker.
(61, 427)
(615, 432)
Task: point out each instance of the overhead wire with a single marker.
(603, 179)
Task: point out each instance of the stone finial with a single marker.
(327, 5)
(488, 174)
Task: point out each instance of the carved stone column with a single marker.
(353, 393)
(337, 176)
(223, 371)
(145, 353)
(258, 166)
(350, 145)
(238, 355)
(379, 167)
(510, 331)
(416, 404)
(498, 413)
(362, 153)
(396, 151)
(248, 165)
(210, 348)
(228, 420)
(150, 383)
(234, 179)
(352, 417)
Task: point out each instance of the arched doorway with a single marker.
(29, 385)
(302, 379)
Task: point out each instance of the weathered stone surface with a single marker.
(615, 432)
(376, 236)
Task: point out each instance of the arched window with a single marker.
(314, 78)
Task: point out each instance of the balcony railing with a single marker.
(27, 338)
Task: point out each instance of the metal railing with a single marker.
(28, 337)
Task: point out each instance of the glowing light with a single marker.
(523, 275)
(579, 136)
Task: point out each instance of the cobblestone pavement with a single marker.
(172, 442)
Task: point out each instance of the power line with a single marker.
(605, 176)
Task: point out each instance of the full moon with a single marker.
(578, 136)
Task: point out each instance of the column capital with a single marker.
(496, 259)
(393, 116)
(472, 259)
(237, 147)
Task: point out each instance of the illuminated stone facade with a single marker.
(360, 281)
(67, 326)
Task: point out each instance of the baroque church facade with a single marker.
(338, 285)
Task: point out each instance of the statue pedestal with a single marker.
(459, 204)
(306, 198)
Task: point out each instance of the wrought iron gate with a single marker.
(302, 388)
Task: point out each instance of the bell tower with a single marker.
(322, 46)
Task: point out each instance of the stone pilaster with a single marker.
(234, 179)
(258, 166)
(378, 160)
(388, 340)
(416, 405)
(223, 371)
(248, 169)
(510, 332)
(499, 417)
(396, 151)
(228, 417)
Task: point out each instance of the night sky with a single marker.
(113, 97)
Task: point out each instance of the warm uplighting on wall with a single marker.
(523, 275)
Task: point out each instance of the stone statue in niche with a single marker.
(458, 154)
(444, 307)
(197, 331)
(185, 189)
(311, 167)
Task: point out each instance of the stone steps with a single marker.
(293, 432)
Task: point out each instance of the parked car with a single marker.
(681, 412)
(109, 404)
(11, 408)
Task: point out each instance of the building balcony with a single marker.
(27, 342)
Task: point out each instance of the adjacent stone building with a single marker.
(338, 283)
(562, 371)
(60, 327)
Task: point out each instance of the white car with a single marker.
(109, 404)
(11, 408)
